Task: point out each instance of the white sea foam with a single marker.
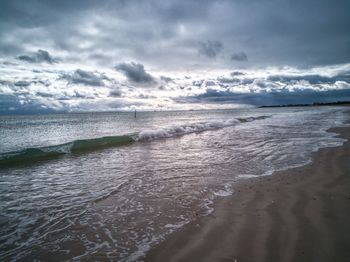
(227, 191)
(248, 176)
(179, 130)
(184, 129)
(146, 244)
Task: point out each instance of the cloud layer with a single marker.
(271, 32)
(241, 56)
(210, 48)
(83, 77)
(37, 57)
(135, 72)
(75, 55)
(24, 90)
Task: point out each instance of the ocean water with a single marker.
(107, 186)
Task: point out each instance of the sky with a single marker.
(86, 55)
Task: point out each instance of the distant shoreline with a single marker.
(339, 103)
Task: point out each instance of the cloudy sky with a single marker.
(87, 55)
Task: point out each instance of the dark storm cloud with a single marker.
(241, 56)
(226, 80)
(135, 72)
(290, 32)
(283, 97)
(166, 79)
(85, 78)
(311, 78)
(22, 83)
(38, 57)
(4, 82)
(43, 94)
(210, 48)
(10, 104)
(115, 93)
(237, 73)
(287, 79)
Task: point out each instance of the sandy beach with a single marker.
(301, 214)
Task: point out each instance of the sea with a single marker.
(110, 186)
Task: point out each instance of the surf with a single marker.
(75, 147)
(30, 155)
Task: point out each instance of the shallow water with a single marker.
(116, 202)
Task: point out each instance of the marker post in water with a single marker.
(135, 113)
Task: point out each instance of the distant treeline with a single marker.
(338, 103)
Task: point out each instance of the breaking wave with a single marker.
(85, 145)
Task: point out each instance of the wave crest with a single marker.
(84, 145)
(180, 130)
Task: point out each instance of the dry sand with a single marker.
(302, 214)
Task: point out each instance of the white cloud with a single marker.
(84, 88)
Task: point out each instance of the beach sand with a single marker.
(301, 214)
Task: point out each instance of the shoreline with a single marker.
(298, 214)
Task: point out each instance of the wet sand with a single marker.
(301, 214)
